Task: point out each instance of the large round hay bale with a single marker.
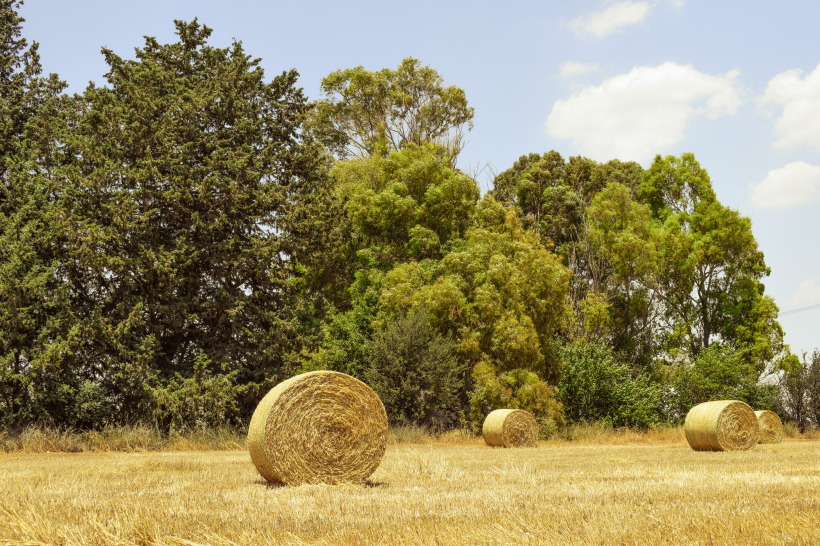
(318, 427)
(769, 426)
(510, 428)
(725, 425)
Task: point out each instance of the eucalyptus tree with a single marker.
(366, 113)
(711, 282)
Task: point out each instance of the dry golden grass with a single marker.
(632, 489)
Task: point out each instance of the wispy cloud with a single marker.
(795, 184)
(618, 15)
(807, 293)
(570, 69)
(635, 115)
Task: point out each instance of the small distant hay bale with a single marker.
(725, 425)
(510, 428)
(318, 427)
(770, 427)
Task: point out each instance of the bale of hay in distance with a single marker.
(318, 427)
(510, 428)
(724, 425)
(770, 427)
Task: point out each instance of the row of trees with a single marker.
(175, 243)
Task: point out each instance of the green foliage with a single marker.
(674, 269)
(175, 243)
(551, 195)
(514, 389)
(587, 212)
(499, 291)
(36, 338)
(201, 401)
(374, 113)
(623, 233)
(37, 331)
(718, 373)
(346, 343)
(405, 206)
(710, 284)
(798, 398)
(92, 410)
(192, 211)
(595, 387)
(415, 373)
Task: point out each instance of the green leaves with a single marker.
(37, 330)
(514, 389)
(375, 113)
(499, 290)
(718, 373)
(711, 283)
(186, 212)
(415, 373)
(176, 242)
(675, 186)
(595, 387)
(406, 205)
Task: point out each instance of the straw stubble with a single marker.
(510, 428)
(318, 427)
(723, 425)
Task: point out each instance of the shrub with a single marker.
(415, 373)
(515, 389)
(798, 396)
(346, 345)
(201, 401)
(717, 373)
(595, 387)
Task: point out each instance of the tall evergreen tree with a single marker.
(193, 203)
(34, 315)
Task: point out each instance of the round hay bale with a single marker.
(770, 427)
(510, 428)
(318, 427)
(725, 425)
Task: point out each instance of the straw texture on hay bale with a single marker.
(770, 427)
(510, 428)
(318, 427)
(725, 425)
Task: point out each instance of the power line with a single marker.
(801, 309)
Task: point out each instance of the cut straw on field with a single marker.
(447, 494)
(770, 429)
(510, 428)
(724, 425)
(318, 427)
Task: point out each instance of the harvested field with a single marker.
(660, 492)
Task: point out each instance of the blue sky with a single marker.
(737, 83)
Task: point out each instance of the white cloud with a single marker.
(807, 293)
(636, 115)
(789, 186)
(800, 98)
(618, 15)
(571, 69)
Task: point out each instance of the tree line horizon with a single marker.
(177, 242)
